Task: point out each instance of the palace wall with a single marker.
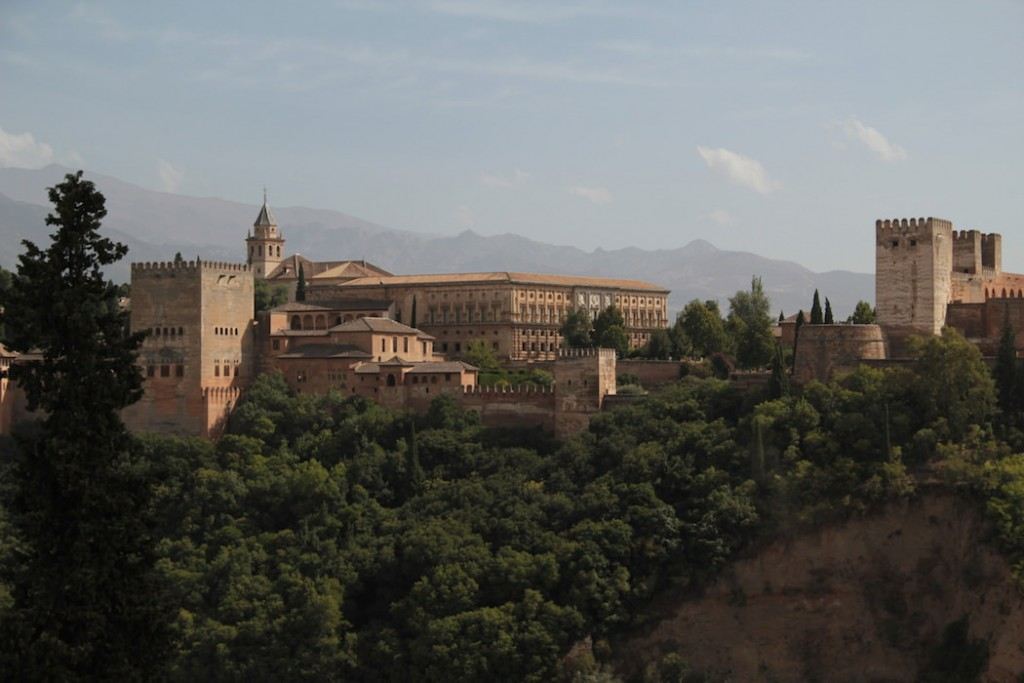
(823, 350)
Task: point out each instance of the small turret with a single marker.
(265, 245)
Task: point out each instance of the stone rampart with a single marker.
(823, 350)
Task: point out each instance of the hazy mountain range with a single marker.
(155, 225)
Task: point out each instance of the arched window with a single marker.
(181, 331)
(321, 322)
(279, 251)
(307, 322)
(391, 380)
(1004, 292)
(261, 250)
(296, 323)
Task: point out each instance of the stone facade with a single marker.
(198, 353)
(518, 315)
(824, 350)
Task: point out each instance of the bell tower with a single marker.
(265, 243)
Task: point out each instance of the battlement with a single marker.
(898, 226)
(571, 353)
(157, 267)
(221, 393)
(505, 390)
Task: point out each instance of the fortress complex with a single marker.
(363, 332)
(928, 275)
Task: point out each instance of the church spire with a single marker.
(264, 244)
(266, 218)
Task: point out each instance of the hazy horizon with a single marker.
(783, 131)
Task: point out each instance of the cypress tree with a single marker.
(300, 286)
(757, 454)
(782, 316)
(800, 322)
(1005, 370)
(816, 316)
(829, 320)
(87, 602)
(779, 384)
(412, 323)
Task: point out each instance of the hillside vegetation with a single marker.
(331, 539)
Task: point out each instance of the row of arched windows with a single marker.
(226, 331)
(318, 322)
(272, 250)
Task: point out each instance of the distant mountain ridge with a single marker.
(156, 225)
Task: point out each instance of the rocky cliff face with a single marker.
(868, 600)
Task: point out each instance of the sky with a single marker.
(782, 128)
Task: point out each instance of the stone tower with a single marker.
(265, 244)
(583, 378)
(913, 283)
(198, 353)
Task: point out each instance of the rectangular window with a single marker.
(179, 370)
(165, 370)
(216, 370)
(277, 344)
(236, 369)
(405, 345)
(383, 344)
(150, 371)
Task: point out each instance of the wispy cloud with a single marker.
(170, 176)
(873, 139)
(510, 11)
(594, 195)
(517, 177)
(646, 50)
(721, 217)
(741, 170)
(23, 150)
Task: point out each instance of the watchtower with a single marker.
(265, 244)
(198, 319)
(913, 266)
(583, 378)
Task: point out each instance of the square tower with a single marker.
(198, 354)
(913, 267)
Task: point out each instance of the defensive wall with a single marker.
(823, 350)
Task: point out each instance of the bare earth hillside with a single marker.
(868, 600)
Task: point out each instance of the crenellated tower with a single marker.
(198, 352)
(914, 260)
(265, 244)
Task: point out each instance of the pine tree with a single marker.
(816, 316)
(86, 599)
(300, 286)
(829, 320)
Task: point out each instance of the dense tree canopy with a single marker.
(750, 324)
(85, 598)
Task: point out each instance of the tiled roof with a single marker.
(420, 368)
(369, 324)
(504, 278)
(326, 351)
(288, 268)
(298, 306)
(442, 366)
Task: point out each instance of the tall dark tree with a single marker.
(829, 319)
(659, 346)
(816, 316)
(575, 329)
(86, 598)
(800, 322)
(751, 325)
(300, 286)
(610, 330)
(863, 314)
(779, 384)
(1005, 370)
(782, 316)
